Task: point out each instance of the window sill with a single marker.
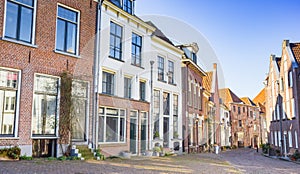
(172, 84)
(161, 81)
(120, 60)
(137, 66)
(9, 138)
(43, 137)
(112, 144)
(66, 54)
(19, 42)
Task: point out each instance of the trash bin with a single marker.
(217, 148)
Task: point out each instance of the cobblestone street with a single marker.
(235, 161)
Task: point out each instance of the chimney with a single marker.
(285, 43)
(215, 66)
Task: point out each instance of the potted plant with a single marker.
(176, 135)
(156, 150)
(126, 154)
(156, 135)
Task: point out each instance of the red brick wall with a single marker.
(43, 60)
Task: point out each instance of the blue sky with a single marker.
(243, 33)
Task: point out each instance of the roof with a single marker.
(159, 33)
(260, 100)
(261, 97)
(207, 81)
(228, 96)
(248, 101)
(295, 47)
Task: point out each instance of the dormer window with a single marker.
(116, 2)
(126, 5)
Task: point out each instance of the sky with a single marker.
(242, 33)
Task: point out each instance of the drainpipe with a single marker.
(96, 77)
(151, 107)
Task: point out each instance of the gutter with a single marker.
(96, 77)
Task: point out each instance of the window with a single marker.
(279, 138)
(290, 79)
(175, 116)
(190, 92)
(244, 110)
(79, 110)
(272, 139)
(200, 98)
(283, 111)
(127, 87)
(170, 72)
(161, 68)
(290, 139)
(136, 50)
(233, 108)
(142, 91)
(116, 2)
(251, 113)
(296, 139)
(128, 6)
(67, 30)
(156, 110)
(240, 123)
(239, 110)
(194, 58)
(115, 49)
(19, 20)
(282, 84)
(166, 103)
(112, 125)
(175, 104)
(275, 138)
(9, 84)
(45, 106)
(293, 107)
(108, 83)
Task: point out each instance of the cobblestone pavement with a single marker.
(249, 161)
(235, 161)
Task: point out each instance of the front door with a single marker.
(144, 131)
(133, 132)
(166, 132)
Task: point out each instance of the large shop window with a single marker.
(45, 106)
(79, 110)
(67, 30)
(156, 110)
(112, 125)
(8, 100)
(19, 20)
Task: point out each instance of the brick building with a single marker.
(192, 100)
(282, 99)
(244, 119)
(40, 40)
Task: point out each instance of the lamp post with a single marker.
(280, 116)
(284, 138)
(151, 105)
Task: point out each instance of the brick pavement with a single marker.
(235, 161)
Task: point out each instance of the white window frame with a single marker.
(78, 31)
(290, 139)
(275, 138)
(17, 110)
(32, 44)
(296, 139)
(291, 79)
(57, 108)
(119, 121)
(293, 108)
